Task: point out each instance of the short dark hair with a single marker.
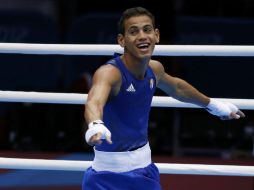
(132, 12)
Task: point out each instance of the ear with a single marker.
(120, 40)
(157, 35)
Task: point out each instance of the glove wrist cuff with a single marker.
(212, 105)
(95, 122)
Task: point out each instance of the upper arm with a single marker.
(178, 88)
(106, 81)
(165, 82)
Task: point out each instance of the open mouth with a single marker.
(143, 46)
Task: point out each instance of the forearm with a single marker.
(183, 91)
(93, 111)
(187, 93)
(96, 128)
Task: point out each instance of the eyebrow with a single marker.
(134, 26)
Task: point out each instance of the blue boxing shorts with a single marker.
(130, 170)
(147, 178)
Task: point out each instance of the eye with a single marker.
(148, 29)
(133, 31)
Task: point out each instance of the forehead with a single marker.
(138, 21)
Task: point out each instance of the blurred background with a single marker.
(176, 135)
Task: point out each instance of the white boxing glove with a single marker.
(95, 127)
(220, 108)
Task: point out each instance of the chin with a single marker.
(146, 56)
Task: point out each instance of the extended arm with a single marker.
(183, 91)
(105, 83)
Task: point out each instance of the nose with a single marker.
(142, 35)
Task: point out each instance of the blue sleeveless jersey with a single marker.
(126, 115)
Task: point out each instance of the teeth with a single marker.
(142, 45)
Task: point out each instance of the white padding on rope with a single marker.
(109, 49)
(43, 164)
(203, 169)
(67, 165)
(75, 98)
(42, 97)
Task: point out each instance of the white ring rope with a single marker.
(75, 98)
(102, 49)
(67, 165)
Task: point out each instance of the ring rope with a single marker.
(68, 165)
(76, 98)
(109, 49)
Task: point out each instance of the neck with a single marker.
(136, 66)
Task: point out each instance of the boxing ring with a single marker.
(158, 101)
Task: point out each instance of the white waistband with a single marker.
(122, 161)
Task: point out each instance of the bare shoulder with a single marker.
(108, 76)
(156, 65)
(157, 68)
(107, 73)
